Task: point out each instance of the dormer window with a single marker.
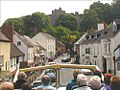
(87, 37)
(18, 43)
(92, 36)
(105, 32)
(98, 35)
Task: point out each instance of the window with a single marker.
(109, 49)
(98, 35)
(18, 43)
(97, 49)
(105, 32)
(87, 50)
(105, 48)
(1, 59)
(17, 60)
(92, 36)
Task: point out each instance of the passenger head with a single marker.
(7, 86)
(82, 79)
(26, 86)
(95, 82)
(45, 80)
(115, 82)
(22, 75)
(75, 73)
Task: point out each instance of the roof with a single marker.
(25, 40)
(15, 51)
(47, 35)
(41, 48)
(59, 43)
(117, 21)
(80, 39)
(3, 37)
(96, 37)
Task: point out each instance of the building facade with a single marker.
(98, 47)
(46, 41)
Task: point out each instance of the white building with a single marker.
(25, 45)
(98, 47)
(46, 41)
(116, 40)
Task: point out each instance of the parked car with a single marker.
(66, 59)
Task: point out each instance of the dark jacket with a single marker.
(71, 84)
(18, 84)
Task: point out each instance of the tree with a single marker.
(89, 20)
(116, 10)
(103, 11)
(18, 23)
(36, 23)
(67, 20)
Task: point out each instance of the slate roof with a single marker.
(117, 21)
(47, 35)
(41, 48)
(3, 37)
(25, 40)
(15, 51)
(96, 37)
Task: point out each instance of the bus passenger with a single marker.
(45, 83)
(115, 82)
(74, 81)
(95, 83)
(82, 82)
(7, 86)
(22, 78)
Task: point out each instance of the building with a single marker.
(97, 48)
(5, 45)
(47, 41)
(116, 28)
(21, 42)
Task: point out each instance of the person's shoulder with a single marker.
(53, 88)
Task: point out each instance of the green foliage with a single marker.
(18, 23)
(67, 20)
(89, 20)
(36, 23)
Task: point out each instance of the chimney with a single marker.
(100, 26)
(7, 30)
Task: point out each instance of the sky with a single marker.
(18, 8)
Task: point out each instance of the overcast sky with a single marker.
(13, 8)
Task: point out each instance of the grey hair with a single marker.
(22, 75)
(82, 79)
(95, 82)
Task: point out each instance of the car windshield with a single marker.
(67, 73)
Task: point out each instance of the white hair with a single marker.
(95, 82)
(82, 79)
